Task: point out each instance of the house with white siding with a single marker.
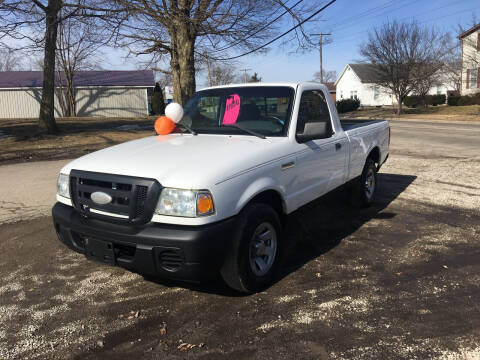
(97, 93)
(470, 79)
(359, 80)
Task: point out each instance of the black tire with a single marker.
(237, 270)
(364, 188)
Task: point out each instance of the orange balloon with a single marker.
(164, 125)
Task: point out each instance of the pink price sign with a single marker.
(232, 109)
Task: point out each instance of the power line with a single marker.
(345, 26)
(367, 12)
(361, 34)
(259, 30)
(279, 36)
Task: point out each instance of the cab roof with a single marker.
(288, 84)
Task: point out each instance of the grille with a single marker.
(141, 199)
(171, 260)
(133, 199)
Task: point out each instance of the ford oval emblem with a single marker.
(101, 198)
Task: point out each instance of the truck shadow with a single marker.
(320, 226)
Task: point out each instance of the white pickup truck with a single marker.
(214, 195)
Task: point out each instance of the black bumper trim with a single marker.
(193, 252)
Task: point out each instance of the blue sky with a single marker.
(349, 22)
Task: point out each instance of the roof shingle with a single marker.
(26, 79)
(368, 73)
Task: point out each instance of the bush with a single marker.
(158, 104)
(417, 100)
(346, 105)
(464, 100)
(476, 98)
(436, 99)
(453, 100)
(412, 101)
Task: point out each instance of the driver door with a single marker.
(320, 162)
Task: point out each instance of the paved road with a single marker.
(398, 280)
(28, 190)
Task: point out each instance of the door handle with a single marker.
(338, 146)
(288, 165)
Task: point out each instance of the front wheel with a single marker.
(364, 188)
(252, 260)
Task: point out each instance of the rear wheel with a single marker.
(252, 260)
(364, 188)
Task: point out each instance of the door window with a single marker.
(313, 108)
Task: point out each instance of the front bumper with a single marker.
(192, 253)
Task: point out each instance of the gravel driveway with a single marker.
(398, 280)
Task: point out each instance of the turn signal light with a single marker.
(204, 204)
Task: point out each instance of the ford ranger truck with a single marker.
(214, 195)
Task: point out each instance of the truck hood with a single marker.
(183, 160)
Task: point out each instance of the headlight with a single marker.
(188, 203)
(63, 185)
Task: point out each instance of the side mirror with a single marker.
(314, 130)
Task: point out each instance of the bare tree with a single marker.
(426, 81)
(328, 76)
(452, 67)
(10, 60)
(183, 31)
(164, 80)
(78, 48)
(405, 54)
(20, 20)
(254, 78)
(221, 74)
(453, 73)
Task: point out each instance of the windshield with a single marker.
(264, 110)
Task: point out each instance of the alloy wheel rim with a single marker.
(263, 249)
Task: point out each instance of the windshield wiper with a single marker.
(251, 132)
(188, 128)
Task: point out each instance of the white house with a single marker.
(97, 93)
(470, 79)
(358, 80)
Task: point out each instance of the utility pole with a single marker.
(208, 67)
(320, 43)
(245, 74)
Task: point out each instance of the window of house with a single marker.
(439, 90)
(473, 77)
(376, 93)
(341, 94)
(353, 94)
(313, 108)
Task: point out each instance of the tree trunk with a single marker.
(400, 105)
(183, 64)
(46, 121)
(71, 102)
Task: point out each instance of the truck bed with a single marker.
(350, 124)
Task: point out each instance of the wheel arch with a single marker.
(270, 195)
(374, 155)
